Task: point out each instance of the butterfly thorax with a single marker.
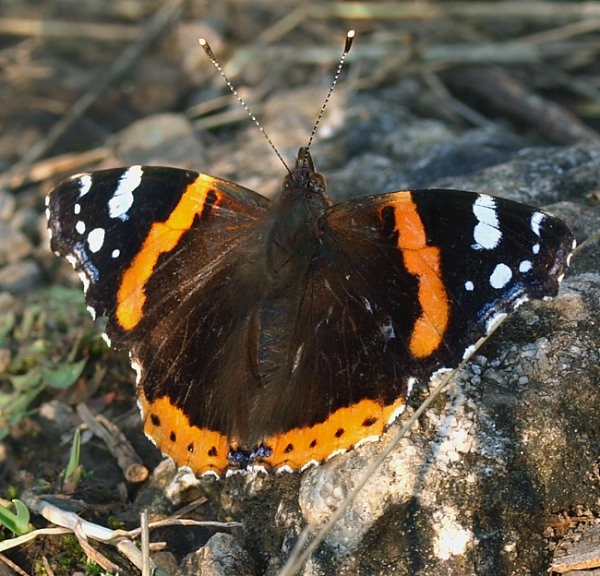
(295, 227)
(293, 241)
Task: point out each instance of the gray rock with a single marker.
(161, 139)
(14, 245)
(20, 277)
(221, 556)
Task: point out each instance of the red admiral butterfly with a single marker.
(276, 334)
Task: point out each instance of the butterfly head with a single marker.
(303, 179)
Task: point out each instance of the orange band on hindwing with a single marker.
(423, 262)
(344, 429)
(203, 450)
(162, 237)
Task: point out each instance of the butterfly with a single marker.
(275, 334)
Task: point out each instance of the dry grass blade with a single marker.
(507, 94)
(40, 28)
(540, 11)
(456, 106)
(9, 568)
(562, 32)
(145, 544)
(20, 540)
(91, 552)
(283, 26)
(58, 165)
(85, 531)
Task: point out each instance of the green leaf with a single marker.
(14, 407)
(64, 375)
(17, 522)
(24, 382)
(74, 470)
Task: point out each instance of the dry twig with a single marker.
(117, 444)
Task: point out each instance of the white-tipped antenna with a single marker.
(206, 47)
(347, 46)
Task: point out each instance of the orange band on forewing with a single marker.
(423, 262)
(162, 237)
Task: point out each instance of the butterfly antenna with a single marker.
(347, 46)
(208, 50)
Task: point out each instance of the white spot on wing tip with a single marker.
(84, 280)
(106, 339)
(284, 468)
(95, 239)
(536, 221)
(525, 266)
(501, 276)
(137, 367)
(494, 321)
(122, 199)
(336, 453)
(366, 440)
(487, 234)
(469, 351)
(396, 413)
(309, 464)
(85, 184)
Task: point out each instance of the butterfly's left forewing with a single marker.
(458, 259)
